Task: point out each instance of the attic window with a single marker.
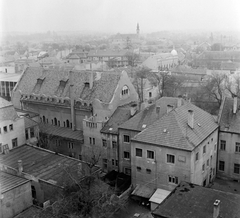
(125, 91)
(87, 85)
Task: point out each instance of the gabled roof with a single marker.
(7, 111)
(29, 122)
(120, 115)
(192, 201)
(9, 181)
(44, 164)
(108, 53)
(229, 121)
(61, 132)
(149, 115)
(104, 83)
(172, 129)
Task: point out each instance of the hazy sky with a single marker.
(119, 15)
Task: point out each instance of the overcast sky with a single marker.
(119, 15)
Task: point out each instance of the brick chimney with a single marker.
(190, 118)
(216, 208)
(20, 167)
(235, 104)
(169, 108)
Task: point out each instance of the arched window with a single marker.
(125, 90)
(68, 123)
(55, 121)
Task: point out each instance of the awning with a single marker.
(143, 191)
(159, 195)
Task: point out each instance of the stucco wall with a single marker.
(229, 156)
(16, 200)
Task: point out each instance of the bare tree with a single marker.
(233, 85)
(132, 58)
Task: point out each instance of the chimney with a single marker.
(169, 108)
(91, 80)
(190, 118)
(216, 208)
(235, 104)
(179, 102)
(20, 167)
(133, 109)
(72, 108)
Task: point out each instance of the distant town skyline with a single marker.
(112, 16)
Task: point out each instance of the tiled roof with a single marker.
(44, 164)
(149, 115)
(9, 181)
(172, 130)
(104, 83)
(120, 115)
(7, 111)
(61, 132)
(229, 121)
(106, 53)
(193, 201)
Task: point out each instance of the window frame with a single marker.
(11, 127)
(222, 145)
(170, 155)
(124, 156)
(150, 152)
(104, 143)
(125, 137)
(236, 166)
(140, 150)
(221, 163)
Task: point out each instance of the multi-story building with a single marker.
(67, 101)
(137, 124)
(229, 139)
(12, 131)
(181, 146)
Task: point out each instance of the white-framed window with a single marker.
(126, 138)
(222, 145)
(125, 91)
(150, 154)
(170, 158)
(172, 179)
(237, 147)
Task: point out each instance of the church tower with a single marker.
(138, 30)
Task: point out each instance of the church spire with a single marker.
(138, 30)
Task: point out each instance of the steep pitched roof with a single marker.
(7, 111)
(229, 121)
(149, 114)
(192, 201)
(104, 83)
(120, 115)
(172, 130)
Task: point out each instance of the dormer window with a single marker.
(125, 91)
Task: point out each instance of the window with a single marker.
(148, 171)
(150, 94)
(114, 144)
(237, 168)
(139, 168)
(116, 162)
(170, 158)
(80, 157)
(203, 167)
(126, 155)
(32, 132)
(221, 165)
(70, 145)
(125, 90)
(204, 149)
(237, 147)
(55, 121)
(90, 140)
(222, 145)
(197, 156)
(127, 171)
(93, 141)
(104, 143)
(105, 163)
(208, 163)
(138, 152)
(11, 127)
(113, 162)
(14, 143)
(126, 138)
(5, 129)
(26, 134)
(173, 179)
(150, 154)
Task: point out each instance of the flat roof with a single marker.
(9, 181)
(159, 195)
(10, 77)
(45, 164)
